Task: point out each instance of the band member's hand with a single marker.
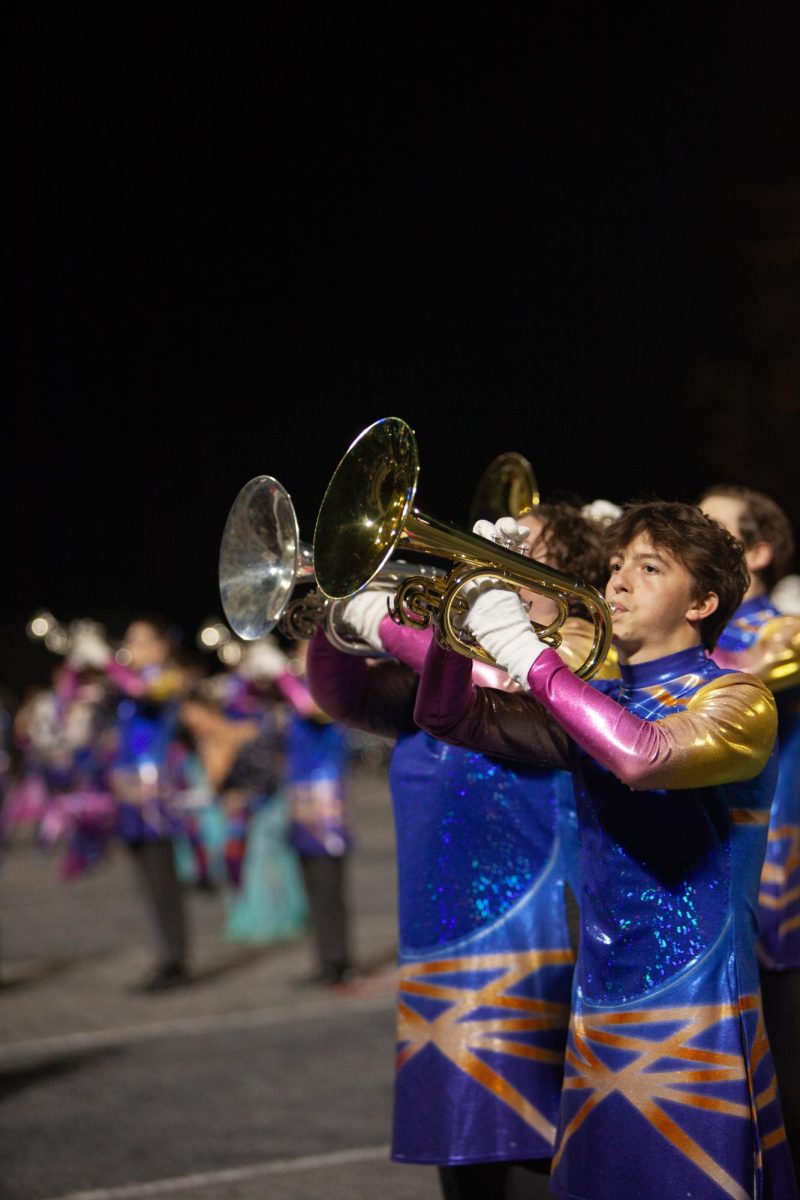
(601, 512)
(262, 661)
(498, 620)
(364, 613)
(505, 532)
(87, 648)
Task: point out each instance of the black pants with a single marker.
(780, 994)
(161, 894)
(325, 883)
(523, 1180)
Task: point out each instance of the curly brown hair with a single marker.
(574, 545)
(761, 520)
(711, 555)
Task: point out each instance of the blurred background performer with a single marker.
(64, 739)
(766, 642)
(317, 765)
(236, 727)
(147, 777)
(484, 850)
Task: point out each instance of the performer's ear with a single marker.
(698, 610)
(758, 557)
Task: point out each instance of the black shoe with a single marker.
(169, 976)
(330, 975)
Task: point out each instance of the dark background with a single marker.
(239, 238)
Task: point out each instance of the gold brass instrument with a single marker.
(507, 488)
(367, 513)
(263, 566)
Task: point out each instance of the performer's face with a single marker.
(727, 511)
(145, 646)
(650, 592)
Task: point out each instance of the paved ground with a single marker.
(246, 1084)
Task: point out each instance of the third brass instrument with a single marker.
(367, 513)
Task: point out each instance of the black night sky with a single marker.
(240, 237)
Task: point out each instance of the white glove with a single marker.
(506, 532)
(786, 595)
(87, 647)
(364, 613)
(497, 619)
(601, 512)
(262, 661)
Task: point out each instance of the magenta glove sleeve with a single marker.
(503, 724)
(724, 734)
(296, 692)
(376, 697)
(128, 680)
(406, 643)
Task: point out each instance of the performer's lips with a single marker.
(616, 607)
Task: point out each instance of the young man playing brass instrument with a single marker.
(669, 1087)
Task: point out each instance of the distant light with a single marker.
(230, 654)
(40, 624)
(213, 635)
(57, 640)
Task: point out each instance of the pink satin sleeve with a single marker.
(295, 691)
(410, 645)
(377, 697)
(128, 680)
(504, 724)
(725, 734)
(405, 643)
(68, 683)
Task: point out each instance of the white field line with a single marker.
(192, 1026)
(286, 1166)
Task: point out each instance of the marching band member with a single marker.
(669, 1087)
(236, 727)
(146, 780)
(65, 735)
(317, 760)
(484, 852)
(761, 640)
(765, 641)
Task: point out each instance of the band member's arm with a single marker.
(725, 734)
(377, 697)
(166, 685)
(297, 692)
(406, 643)
(506, 725)
(774, 657)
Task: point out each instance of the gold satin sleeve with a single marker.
(577, 636)
(725, 735)
(168, 684)
(775, 657)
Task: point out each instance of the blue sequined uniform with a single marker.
(669, 1073)
(485, 958)
(779, 895)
